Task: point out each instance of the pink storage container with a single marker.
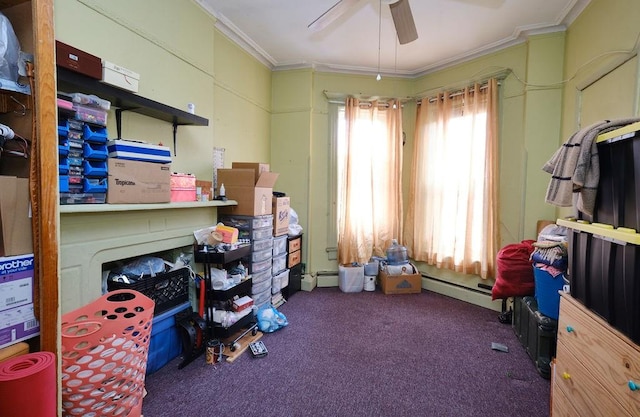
(183, 187)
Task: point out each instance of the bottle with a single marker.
(397, 254)
(222, 191)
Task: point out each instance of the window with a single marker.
(452, 213)
(369, 179)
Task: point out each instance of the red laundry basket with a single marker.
(104, 355)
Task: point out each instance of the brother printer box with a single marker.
(17, 319)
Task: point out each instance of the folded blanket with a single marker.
(575, 168)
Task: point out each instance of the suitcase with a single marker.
(537, 333)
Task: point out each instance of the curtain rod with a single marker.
(456, 93)
(340, 98)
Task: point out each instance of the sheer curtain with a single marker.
(452, 216)
(369, 180)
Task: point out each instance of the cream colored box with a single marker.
(120, 77)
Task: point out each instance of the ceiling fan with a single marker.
(400, 11)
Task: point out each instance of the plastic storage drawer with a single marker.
(94, 185)
(94, 168)
(63, 165)
(91, 115)
(262, 244)
(282, 280)
(95, 135)
(261, 276)
(246, 222)
(279, 263)
(604, 265)
(261, 287)
(618, 196)
(260, 255)
(93, 151)
(279, 245)
(255, 267)
(263, 298)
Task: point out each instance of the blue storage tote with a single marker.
(546, 292)
(165, 341)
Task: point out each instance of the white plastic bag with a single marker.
(294, 228)
(9, 50)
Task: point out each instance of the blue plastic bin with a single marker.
(165, 343)
(546, 292)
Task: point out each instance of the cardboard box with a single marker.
(253, 196)
(242, 303)
(16, 281)
(18, 324)
(138, 182)
(257, 167)
(79, 61)
(280, 208)
(400, 284)
(205, 188)
(15, 218)
(117, 76)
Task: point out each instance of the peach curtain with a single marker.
(453, 202)
(369, 180)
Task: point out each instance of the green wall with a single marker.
(300, 132)
(182, 59)
(598, 42)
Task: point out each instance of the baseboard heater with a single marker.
(479, 291)
(460, 286)
(327, 273)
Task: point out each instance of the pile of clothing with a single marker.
(550, 250)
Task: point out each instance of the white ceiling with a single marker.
(449, 31)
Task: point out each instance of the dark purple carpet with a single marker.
(364, 354)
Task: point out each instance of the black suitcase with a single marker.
(537, 333)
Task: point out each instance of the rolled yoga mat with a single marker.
(28, 385)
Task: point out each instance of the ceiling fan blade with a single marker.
(332, 14)
(403, 20)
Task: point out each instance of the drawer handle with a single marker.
(569, 329)
(633, 386)
(566, 375)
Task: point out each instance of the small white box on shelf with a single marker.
(120, 77)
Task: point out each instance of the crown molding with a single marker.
(520, 35)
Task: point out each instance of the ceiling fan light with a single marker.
(378, 77)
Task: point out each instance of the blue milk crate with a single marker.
(165, 343)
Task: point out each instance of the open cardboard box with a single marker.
(400, 284)
(254, 197)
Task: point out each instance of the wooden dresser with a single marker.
(597, 368)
